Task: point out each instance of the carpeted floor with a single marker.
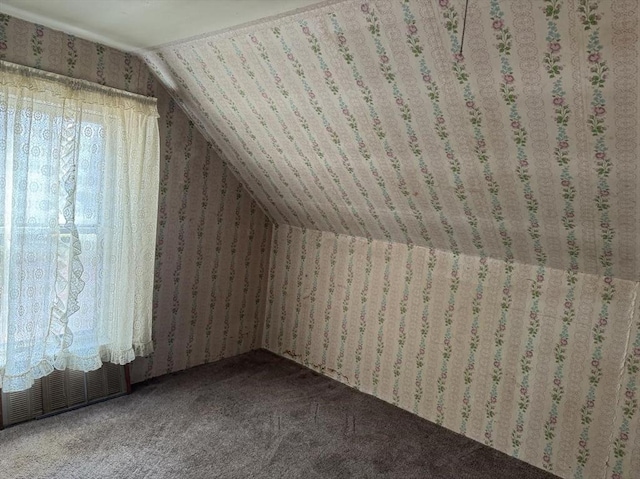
(255, 415)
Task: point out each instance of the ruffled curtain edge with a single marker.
(74, 362)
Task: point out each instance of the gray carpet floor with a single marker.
(255, 415)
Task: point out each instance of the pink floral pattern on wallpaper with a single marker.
(495, 237)
(457, 230)
(344, 122)
(407, 327)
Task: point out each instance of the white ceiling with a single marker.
(136, 24)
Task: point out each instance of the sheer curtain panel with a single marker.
(78, 206)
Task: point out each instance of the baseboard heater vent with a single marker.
(62, 391)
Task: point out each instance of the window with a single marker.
(78, 203)
(40, 180)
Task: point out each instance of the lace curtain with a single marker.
(78, 206)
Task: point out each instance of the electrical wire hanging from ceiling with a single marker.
(464, 25)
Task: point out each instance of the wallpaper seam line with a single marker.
(274, 228)
(621, 375)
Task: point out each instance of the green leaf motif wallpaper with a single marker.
(515, 356)
(457, 225)
(213, 240)
(365, 119)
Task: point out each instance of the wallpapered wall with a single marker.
(539, 373)
(485, 275)
(213, 239)
(515, 161)
(363, 118)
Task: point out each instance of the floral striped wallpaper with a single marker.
(363, 118)
(458, 232)
(479, 256)
(213, 239)
(514, 356)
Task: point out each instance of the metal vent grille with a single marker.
(22, 405)
(61, 391)
(104, 382)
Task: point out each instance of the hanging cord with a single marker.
(464, 25)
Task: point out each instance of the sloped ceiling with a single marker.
(365, 119)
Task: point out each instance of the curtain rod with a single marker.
(74, 83)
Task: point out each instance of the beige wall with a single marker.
(213, 239)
